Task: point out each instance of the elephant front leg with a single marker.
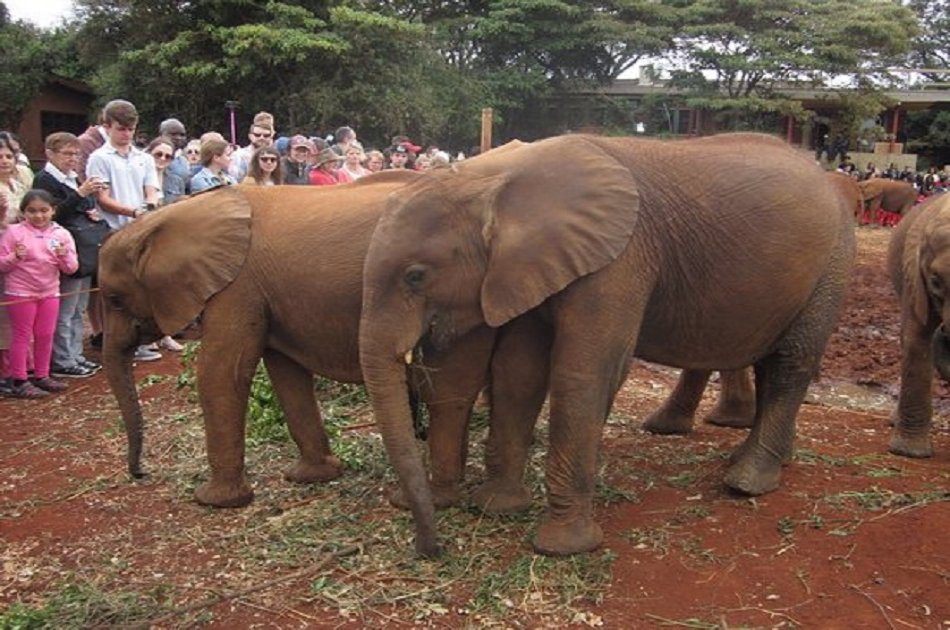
(675, 415)
(224, 381)
(736, 406)
(293, 385)
(911, 436)
(519, 385)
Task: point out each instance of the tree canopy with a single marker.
(426, 67)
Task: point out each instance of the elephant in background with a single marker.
(887, 194)
(620, 254)
(272, 273)
(919, 265)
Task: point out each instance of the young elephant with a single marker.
(275, 273)
(919, 264)
(621, 254)
(889, 195)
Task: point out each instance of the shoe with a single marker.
(26, 389)
(50, 384)
(167, 343)
(144, 353)
(6, 387)
(74, 371)
(96, 341)
(95, 366)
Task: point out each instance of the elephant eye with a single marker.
(936, 284)
(114, 301)
(415, 277)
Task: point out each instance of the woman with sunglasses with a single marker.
(171, 185)
(264, 168)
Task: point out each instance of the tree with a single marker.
(736, 53)
(25, 67)
(932, 46)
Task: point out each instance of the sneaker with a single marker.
(144, 353)
(26, 389)
(6, 387)
(50, 384)
(96, 340)
(74, 371)
(167, 343)
(95, 366)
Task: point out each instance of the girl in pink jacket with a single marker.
(32, 255)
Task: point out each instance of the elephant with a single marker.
(611, 249)
(272, 273)
(736, 405)
(888, 195)
(918, 262)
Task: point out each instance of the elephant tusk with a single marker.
(408, 357)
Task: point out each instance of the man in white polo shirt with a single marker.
(132, 182)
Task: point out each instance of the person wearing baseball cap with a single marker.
(295, 166)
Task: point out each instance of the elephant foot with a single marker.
(305, 472)
(732, 416)
(666, 422)
(224, 495)
(501, 497)
(754, 471)
(918, 446)
(442, 497)
(559, 538)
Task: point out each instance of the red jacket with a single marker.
(319, 177)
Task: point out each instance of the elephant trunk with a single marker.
(117, 355)
(385, 376)
(940, 345)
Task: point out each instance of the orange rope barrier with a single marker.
(62, 295)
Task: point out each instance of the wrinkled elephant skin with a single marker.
(615, 249)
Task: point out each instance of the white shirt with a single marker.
(127, 175)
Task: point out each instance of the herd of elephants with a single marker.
(538, 270)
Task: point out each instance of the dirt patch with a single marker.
(853, 538)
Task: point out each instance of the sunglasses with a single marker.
(159, 155)
(192, 151)
(267, 158)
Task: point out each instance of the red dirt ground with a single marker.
(854, 538)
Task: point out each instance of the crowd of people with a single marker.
(54, 220)
(927, 183)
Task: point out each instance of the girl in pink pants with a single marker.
(33, 252)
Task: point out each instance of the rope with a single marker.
(60, 295)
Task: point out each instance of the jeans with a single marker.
(34, 319)
(67, 342)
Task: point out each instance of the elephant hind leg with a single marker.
(736, 406)
(293, 385)
(675, 415)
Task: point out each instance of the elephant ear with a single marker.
(193, 249)
(564, 209)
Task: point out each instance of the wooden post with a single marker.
(789, 128)
(486, 129)
(895, 121)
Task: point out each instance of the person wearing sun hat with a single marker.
(295, 167)
(324, 168)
